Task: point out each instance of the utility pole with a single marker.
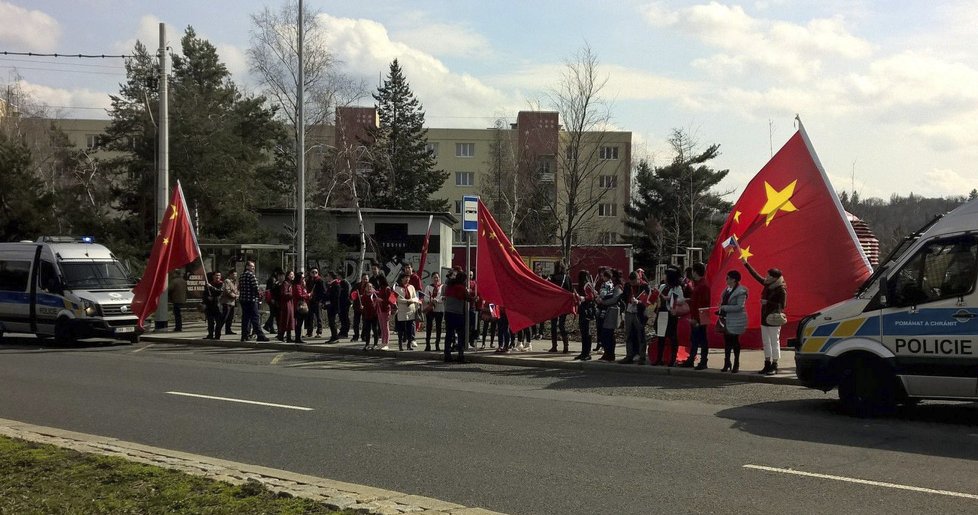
(300, 156)
(163, 171)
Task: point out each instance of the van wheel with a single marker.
(867, 387)
(63, 333)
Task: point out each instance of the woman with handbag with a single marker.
(673, 305)
(608, 296)
(774, 297)
(587, 310)
(733, 319)
(286, 308)
(302, 314)
(407, 311)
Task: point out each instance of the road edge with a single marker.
(336, 495)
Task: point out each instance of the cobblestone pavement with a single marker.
(334, 494)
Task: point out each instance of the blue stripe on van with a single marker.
(43, 299)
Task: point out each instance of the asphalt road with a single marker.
(510, 439)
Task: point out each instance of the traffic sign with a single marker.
(470, 213)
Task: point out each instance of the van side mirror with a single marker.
(884, 290)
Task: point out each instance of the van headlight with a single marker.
(91, 308)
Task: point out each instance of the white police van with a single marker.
(911, 332)
(66, 288)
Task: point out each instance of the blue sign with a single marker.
(470, 213)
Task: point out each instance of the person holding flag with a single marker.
(774, 297)
(175, 247)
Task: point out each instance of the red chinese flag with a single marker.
(175, 247)
(424, 248)
(505, 280)
(789, 217)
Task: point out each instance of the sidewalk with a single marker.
(750, 360)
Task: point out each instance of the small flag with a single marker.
(730, 242)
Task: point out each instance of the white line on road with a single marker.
(148, 345)
(286, 406)
(863, 482)
(278, 357)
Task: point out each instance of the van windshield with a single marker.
(95, 275)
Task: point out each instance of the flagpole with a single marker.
(186, 213)
(835, 197)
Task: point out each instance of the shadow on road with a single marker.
(36, 344)
(910, 429)
(560, 379)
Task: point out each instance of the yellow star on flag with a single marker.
(492, 235)
(737, 216)
(173, 211)
(166, 241)
(778, 200)
(745, 253)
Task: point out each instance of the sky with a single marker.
(887, 90)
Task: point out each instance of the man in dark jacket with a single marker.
(560, 278)
(317, 291)
(249, 299)
(332, 303)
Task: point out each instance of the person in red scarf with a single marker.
(368, 311)
(382, 305)
(302, 312)
(699, 317)
(359, 292)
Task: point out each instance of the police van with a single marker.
(66, 288)
(911, 332)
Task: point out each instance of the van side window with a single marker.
(940, 270)
(14, 275)
(47, 280)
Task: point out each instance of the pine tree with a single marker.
(403, 174)
(220, 145)
(973, 195)
(675, 206)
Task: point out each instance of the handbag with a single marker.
(721, 326)
(661, 324)
(679, 309)
(704, 317)
(776, 319)
(303, 308)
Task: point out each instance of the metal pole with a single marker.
(468, 274)
(163, 167)
(300, 152)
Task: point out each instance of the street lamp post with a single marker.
(300, 144)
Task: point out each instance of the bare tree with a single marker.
(273, 56)
(586, 116)
(511, 189)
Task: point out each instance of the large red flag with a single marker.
(789, 217)
(175, 247)
(505, 280)
(424, 247)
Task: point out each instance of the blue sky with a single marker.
(886, 89)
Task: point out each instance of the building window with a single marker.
(608, 181)
(571, 153)
(465, 178)
(432, 149)
(93, 140)
(464, 149)
(608, 153)
(607, 209)
(607, 238)
(458, 207)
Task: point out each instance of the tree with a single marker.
(974, 194)
(675, 206)
(273, 56)
(24, 210)
(220, 141)
(402, 174)
(586, 116)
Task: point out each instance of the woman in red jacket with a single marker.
(286, 308)
(301, 299)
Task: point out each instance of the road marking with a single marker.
(278, 357)
(286, 406)
(141, 349)
(864, 482)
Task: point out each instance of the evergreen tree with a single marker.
(675, 206)
(403, 174)
(974, 194)
(25, 210)
(220, 144)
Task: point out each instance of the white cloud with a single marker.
(235, 59)
(60, 100)
(945, 182)
(367, 49)
(148, 33)
(443, 39)
(748, 46)
(27, 31)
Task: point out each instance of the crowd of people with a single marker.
(645, 314)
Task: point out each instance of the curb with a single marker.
(335, 495)
(489, 359)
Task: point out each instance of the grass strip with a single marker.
(39, 478)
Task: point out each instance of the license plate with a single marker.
(125, 329)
